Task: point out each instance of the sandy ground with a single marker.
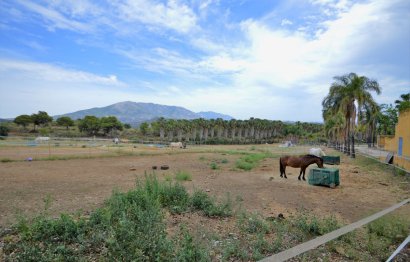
(83, 184)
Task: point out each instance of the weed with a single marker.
(253, 223)
(214, 166)
(5, 160)
(250, 161)
(183, 176)
(201, 201)
(189, 249)
(224, 161)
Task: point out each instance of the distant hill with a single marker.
(3, 120)
(135, 113)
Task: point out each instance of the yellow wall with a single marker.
(392, 143)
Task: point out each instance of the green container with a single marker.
(331, 160)
(324, 177)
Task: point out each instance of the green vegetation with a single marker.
(4, 130)
(131, 226)
(65, 121)
(403, 103)
(340, 112)
(214, 166)
(250, 161)
(183, 176)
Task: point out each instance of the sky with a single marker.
(246, 58)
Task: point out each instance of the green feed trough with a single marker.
(331, 160)
(324, 177)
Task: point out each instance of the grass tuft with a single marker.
(183, 176)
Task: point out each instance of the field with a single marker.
(72, 178)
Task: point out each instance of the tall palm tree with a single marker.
(345, 92)
(404, 103)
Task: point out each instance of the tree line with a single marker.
(91, 125)
(350, 112)
(234, 131)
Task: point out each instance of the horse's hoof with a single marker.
(299, 178)
(304, 179)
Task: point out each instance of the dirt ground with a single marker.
(83, 184)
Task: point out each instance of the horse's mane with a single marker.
(312, 156)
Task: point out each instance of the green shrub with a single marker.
(310, 224)
(250, 161)
(189, 249)
(214, 166)
(183, 176)
(201, 201)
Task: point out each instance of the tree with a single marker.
(23, 120)
(4, 130)
(161, 125)
(344, 93)
(127, 126)
(144, 128)
(90, 124)
(387, 120)
(404, 103)
(41, 118)
(65, 121)
(110, 124)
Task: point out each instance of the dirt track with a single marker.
(85, 183)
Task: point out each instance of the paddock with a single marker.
(84, 181)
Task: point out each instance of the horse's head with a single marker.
(320, 162)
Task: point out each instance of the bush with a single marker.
(250, 161)
(214, 166)
(183, 176)
(313, 225)
(129, 227)
(4, 130)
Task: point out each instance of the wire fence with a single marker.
(382, 156)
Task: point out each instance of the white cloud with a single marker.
(54, 18)
(52, 73)
(172, 15)
(286, 22)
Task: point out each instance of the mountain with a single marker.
(214, 115)
(3, 120)
(135, 113)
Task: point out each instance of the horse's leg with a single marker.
(304, 171)
(284, 171)
(300, 173)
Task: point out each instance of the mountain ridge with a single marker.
(135, 113)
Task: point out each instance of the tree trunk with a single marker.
(353, 155)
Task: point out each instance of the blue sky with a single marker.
(246, 58)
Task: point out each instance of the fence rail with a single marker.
(314, 243)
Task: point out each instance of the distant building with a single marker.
(399, 144)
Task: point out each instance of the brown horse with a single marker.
(299, 161)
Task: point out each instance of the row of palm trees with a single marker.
(350, 110)
(253, 130)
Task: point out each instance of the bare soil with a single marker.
(84, 184)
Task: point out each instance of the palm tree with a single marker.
(345, 92)
(404, 103)
(232, 127)
(219, 124)
(162, 125)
